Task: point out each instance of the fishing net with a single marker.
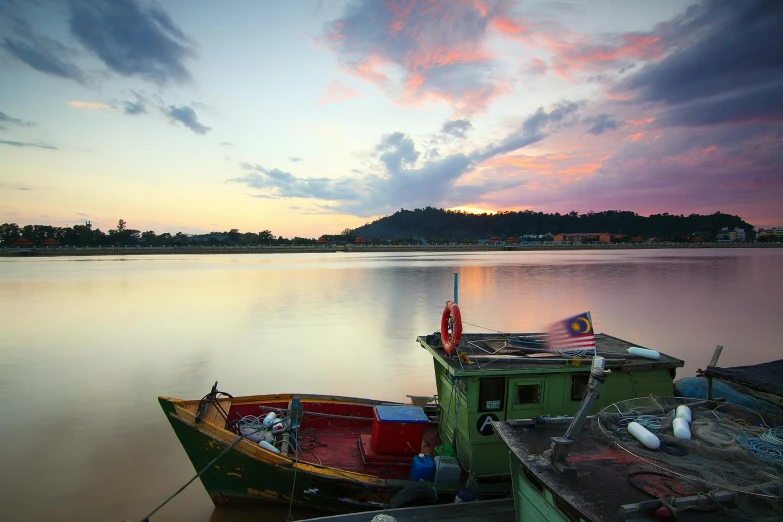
(731, 448)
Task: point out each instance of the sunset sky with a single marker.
(307, 117)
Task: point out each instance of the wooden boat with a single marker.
(329, 457)
(609, 475)
(756, 386)
(512, 378)
(328, 464)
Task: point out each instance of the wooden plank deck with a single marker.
(479, 511)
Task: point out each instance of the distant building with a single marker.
(771, 233)
(601, 237)
(360, 240)
(724, 234)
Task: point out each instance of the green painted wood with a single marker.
(461, 414)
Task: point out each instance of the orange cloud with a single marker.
(89, 105)
(550, 164)
(337, 92)
(640, 122)
(584, 55)
(635, 137)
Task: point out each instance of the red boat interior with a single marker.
(340, 435)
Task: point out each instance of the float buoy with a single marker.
(451, 317)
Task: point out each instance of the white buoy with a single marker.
(644, 352)
(264, 444)
(681, 428)
(644, 435)
(270, 419)
(683, 412)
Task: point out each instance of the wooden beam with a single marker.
(713, 362)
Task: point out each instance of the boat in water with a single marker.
(725, 464)
(340, 454)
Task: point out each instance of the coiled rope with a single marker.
(767, 447)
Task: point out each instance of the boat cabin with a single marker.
(511, 376)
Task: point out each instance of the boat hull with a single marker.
(248, 475)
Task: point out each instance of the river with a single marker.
(87, 345)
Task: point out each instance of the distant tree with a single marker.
(9, 233)
(266, 236)
(121, 225)
(346, 232)
(149, 238)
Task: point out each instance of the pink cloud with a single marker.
(438, 45)
(337, 92)
(585, 54)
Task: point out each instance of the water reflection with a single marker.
(86, 345)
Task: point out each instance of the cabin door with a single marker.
(526, 398)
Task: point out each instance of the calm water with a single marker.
(87, 345)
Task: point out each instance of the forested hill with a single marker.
(437, 224)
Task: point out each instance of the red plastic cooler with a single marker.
(398, 430)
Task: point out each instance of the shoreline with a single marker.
(313, 249)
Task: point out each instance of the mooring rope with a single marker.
(197, 475)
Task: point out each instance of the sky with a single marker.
(308, 117)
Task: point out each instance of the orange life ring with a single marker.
(451, 315)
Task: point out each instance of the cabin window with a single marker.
(579, 386)
(491, 392)
(528, 394)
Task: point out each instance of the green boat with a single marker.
(343, 454)
(510, 377)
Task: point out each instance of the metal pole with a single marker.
(456, 287)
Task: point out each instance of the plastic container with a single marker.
(681, 428)
(644, 352)
(270, 419)
(264, 444)
(422, 468)
(447, 470)
(683, 412)
(445, 451)
(644, 435)
(398, 430)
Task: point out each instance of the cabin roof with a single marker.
(495, 354)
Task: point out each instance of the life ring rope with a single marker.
(450, 327)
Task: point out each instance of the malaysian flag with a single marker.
(573, 334)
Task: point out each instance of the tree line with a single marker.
(435, 224)
(427, 224)
(87, 236)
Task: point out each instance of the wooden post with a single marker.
(713, 362)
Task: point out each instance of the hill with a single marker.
(434, 224)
